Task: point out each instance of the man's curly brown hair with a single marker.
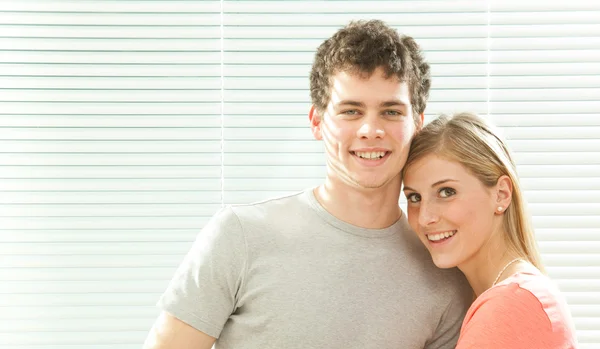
(363, 46)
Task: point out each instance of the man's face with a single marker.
(367, 129)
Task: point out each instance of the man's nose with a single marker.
(371, 128)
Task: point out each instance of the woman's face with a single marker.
(450, 209)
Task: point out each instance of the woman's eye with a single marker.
(414, 197)
(447, 192)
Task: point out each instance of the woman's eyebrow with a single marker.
(434, 184)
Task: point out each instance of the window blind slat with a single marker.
(161, 18)
(99, 197)
(111, 31)
(93, 222)
(101, 57)
(541, 17)
(124, 44)
(79, 261)
(108, 6)
(114, 172)
(312, 32)
(320, 7)
(398, 18)
(110, 82)
(74, 312)
(62, 108)
(111, 120)
(111, 70)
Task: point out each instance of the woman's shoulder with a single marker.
(527, 307)
(534, 289)
(527, 293)
(525, 286)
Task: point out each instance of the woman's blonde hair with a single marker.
(471, 141)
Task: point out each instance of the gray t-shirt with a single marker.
(285, 273)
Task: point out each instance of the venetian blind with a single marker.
(125, 124)
(544, 84)
(110, 163)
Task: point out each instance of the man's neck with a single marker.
(367, 208)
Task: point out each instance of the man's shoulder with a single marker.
(239, 222)
(263, 215)
(273, 205)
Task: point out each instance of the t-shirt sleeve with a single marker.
(507, 319)
(448, 329)
(205, 288)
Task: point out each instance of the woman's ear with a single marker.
(315, 122)
(503, 192)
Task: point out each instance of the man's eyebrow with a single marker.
(434, 184)
(350, 102)
(393, 104)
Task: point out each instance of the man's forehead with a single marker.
(345, 90)
(353, 73)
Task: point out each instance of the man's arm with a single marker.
(448, 330)
(169, 332)
(203, 292)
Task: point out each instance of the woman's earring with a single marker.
(500, 208)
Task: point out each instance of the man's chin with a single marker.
(378, 181)
(373, 183)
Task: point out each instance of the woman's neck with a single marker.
(491, 264)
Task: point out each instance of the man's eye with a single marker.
(350, 112)
(447, 192)
(392, 113)
(414, 197)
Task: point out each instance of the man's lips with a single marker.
(371, 154)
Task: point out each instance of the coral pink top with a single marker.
(524, 311)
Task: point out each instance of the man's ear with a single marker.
(315, 122)
(420, 121)
(504, 188)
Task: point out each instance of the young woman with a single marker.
(466, 205)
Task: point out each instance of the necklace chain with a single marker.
(503, 269)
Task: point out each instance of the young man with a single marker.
(334, 266)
